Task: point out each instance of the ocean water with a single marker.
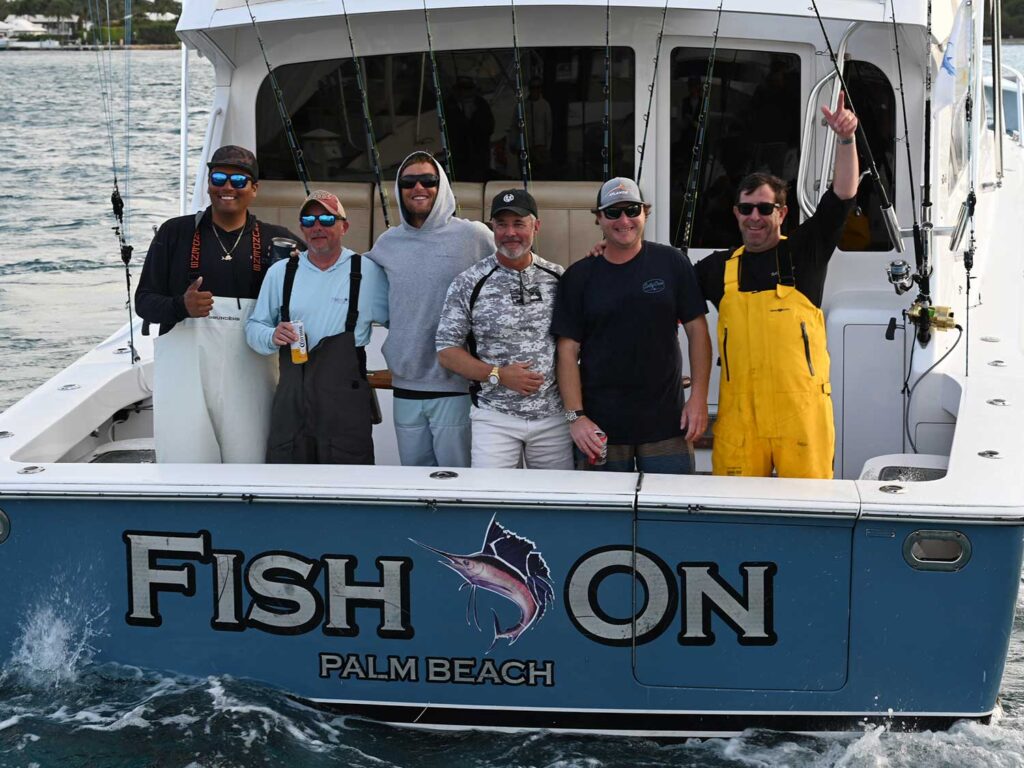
(62, 289)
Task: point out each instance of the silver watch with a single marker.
(573, 416)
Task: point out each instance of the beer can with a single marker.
(299, 353)
(602, 458)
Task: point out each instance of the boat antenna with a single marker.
(371, 139)
(442, 124)
(606, 121)
(686, 215)
(524, 147)
(282, 110)
(892, 226)
(650, 93)
(117, 204)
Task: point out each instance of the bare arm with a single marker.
(571, 388)
(694, 418)
(846, 174)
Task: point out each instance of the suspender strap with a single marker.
(355, 277)
(286, 295)
(783, 256)
(549, 271)
(470, 338)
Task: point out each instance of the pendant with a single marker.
(226, 257)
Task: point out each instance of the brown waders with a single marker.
(323, 408)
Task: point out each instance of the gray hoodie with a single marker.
(420, 265)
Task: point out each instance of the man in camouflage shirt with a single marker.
(495, 331)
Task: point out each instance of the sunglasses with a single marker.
(428, 180)
(765, 209)
(632, 211)
(324, 219)
(238, 180)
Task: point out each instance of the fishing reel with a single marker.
(926, 316)
(900, 276)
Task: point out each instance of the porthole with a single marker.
(937, 550)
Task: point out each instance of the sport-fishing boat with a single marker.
(609, 603)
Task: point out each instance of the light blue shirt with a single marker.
(319, 300)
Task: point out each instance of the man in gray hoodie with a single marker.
(421, 258)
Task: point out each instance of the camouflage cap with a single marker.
(234, 156)
(327, 200)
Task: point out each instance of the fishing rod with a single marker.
(885, 205)
(117, 205)
(689, 209)
(442, 125)
(524, 147)
(286, 120)
(371, 139)
(606, 121)
(650, 93)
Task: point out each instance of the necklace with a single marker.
(227, 253)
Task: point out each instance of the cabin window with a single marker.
(873, 96)
(562, 90)
(753, 124)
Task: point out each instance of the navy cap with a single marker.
(518, 201)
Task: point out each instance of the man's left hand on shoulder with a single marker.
(694, 421)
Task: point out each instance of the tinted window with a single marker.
(563, 92)
(753, 124)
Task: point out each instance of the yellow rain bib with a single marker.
(774, 407)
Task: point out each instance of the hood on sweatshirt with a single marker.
(444, 202)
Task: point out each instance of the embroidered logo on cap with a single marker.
(509, 198)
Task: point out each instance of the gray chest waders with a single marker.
(322, 408)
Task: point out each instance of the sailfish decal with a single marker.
(508, 565)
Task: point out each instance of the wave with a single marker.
(53, 265)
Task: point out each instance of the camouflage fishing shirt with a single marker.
(511, 321)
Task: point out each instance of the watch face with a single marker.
(493, 380)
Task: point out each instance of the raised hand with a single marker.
(842, 121)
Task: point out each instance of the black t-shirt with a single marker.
(808, 250)
(165, 273)
(626, 318)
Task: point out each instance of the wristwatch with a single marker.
(493, 378)
(573, 416)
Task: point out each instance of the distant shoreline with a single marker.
(163, 47)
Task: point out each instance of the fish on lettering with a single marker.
(508, 565)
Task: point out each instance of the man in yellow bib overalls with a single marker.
(775, 405)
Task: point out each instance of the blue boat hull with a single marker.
(663, 622)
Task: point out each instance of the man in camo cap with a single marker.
(495, 331)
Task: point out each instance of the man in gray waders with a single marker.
(315, 311)
(201, 277)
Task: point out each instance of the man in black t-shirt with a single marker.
(619, 365)
(775, 409)
(211, 393)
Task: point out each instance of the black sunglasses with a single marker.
(238, 180)
(325, 219)
(765, 209)
(428, 180)
(632, 211)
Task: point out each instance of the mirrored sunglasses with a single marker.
(765, 209)
(632, 211)
(325, 220)
(238, 180)
(428, 180)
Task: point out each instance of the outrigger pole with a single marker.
(116, 201)
(693, 180)
(650, 94)
(524, 151)
(289, 129)
(885, 205)
(606, 147)
(371, 139)
(442, 124)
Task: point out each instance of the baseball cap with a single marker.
(235, 157)
(327, 200)
(618, 190)
(518, 201)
